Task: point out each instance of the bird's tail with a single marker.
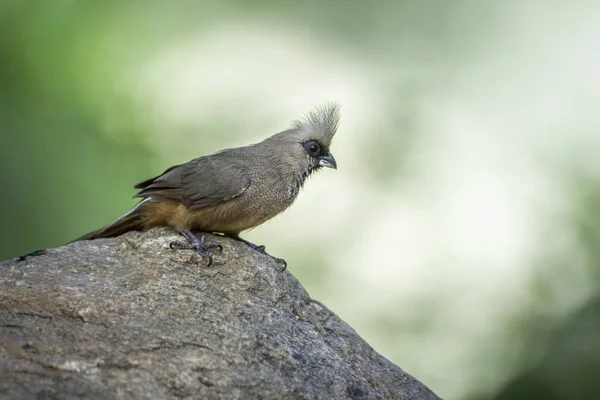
(129, 222)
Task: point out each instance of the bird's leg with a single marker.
(197, 244)
(259, 248)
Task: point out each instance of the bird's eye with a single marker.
(312, 148)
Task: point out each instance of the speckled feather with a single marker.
(232, 190)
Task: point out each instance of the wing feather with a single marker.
(202, 182)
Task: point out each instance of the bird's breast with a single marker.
(259, 203)
(267, 196)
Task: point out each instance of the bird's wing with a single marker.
(200, 183)
(148, 182)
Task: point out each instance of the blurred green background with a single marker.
(460, 235)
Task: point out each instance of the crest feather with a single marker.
(320, 124)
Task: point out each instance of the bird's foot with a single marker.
(261, 249)
(32, 254)
(197, 244)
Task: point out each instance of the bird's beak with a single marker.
(328, 161)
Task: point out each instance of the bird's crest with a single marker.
(320, 124)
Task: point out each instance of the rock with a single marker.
(129, 318)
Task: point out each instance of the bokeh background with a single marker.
(460, 235)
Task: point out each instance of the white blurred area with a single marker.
(434, 265)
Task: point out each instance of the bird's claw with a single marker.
(176, 244)
(197, 244)
(262, 250)
(281, 260)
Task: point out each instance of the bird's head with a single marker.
(306, 144)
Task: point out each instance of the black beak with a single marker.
(328, 161)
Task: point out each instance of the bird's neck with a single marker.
(299, 178)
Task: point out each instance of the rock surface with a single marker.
(129, 318)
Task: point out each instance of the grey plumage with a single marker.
(234, 189)
(321, 123)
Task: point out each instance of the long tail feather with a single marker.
(119, 227)
(128, 222)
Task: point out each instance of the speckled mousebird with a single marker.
(233, 190)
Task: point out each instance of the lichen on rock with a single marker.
(129, 318)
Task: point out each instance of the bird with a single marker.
(233, 190)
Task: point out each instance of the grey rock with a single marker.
(129, 318)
